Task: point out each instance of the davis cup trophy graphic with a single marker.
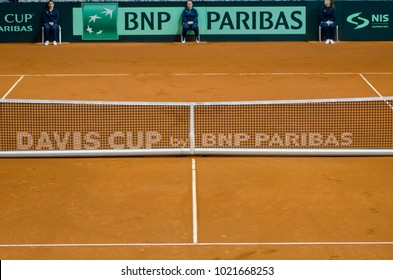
(99, 21)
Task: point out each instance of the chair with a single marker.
(320, 33)
(43, 33)
(197, 39)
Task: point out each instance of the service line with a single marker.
(193, 74)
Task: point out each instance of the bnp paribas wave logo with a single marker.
(358, 21)
(99, 21)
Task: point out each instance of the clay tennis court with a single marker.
(196, 207)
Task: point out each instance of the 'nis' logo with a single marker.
(360, 22)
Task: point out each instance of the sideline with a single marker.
(376, 91)
(15, 84)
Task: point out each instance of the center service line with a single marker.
(194, 204)
(9, 91)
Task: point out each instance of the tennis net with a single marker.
(356, 126)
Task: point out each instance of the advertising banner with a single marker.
(367, 21)
(19, 23)
(256, 20)
(166, 21)
(218, 21)
(99, 21)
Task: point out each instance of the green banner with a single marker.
(166, 21)
(99, 21)
(256, 20)
(155, 21)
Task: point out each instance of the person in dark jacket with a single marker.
(328, 20)
(51, 23)
(190, 22)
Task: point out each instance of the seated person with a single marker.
(51, 23)
(190, 22)
(328, 20)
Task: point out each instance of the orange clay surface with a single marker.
(248, 207)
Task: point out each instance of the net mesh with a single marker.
(73, 126)
(310, 124)
(322, 125)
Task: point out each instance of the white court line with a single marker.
(376, 91)
(316, 243)
(204, 74)
(294, 74)
(194, 205)
(9, 91)
(84, 75)
(191, 74)
(67, 75)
